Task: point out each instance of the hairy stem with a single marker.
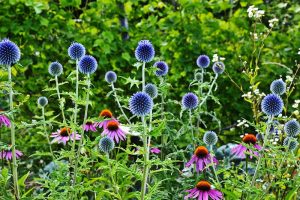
(60, 103)
(146, 159)
(209, 91)
(213, 164)
(118, 102)
(45, 130)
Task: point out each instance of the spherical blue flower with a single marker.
(106, 144)
(210, 138)
(218, 67)
(292, 128)
(278, 87)
(144, 51)
(55, 69)
(76, 51)
(291, 142)
(87, 64)
(42, 101)
(151, 89)
(9, 52)
(203, 61)
(163, 68)
(190, 101)
(140, 104)
(110, 77)
(272, 104)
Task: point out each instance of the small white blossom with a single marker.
(247, 95)
(289, 78)
(295, 105)
(272, 22)
(253, 12)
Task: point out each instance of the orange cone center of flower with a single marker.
(201, 151)
(112, 125)
(65, 131)
(249, 139)
(203, 185)
(105, 113)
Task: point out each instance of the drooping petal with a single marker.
(188, 164)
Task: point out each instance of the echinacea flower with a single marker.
(155, 150)
(201, 158)
(203, 191)
(7, 154)
(240, 149)
(114, 131)
(64, 135)
(107, 115)
(89, 126)
(4, 121)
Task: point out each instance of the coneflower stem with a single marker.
(82, 130)
(46, 134)
(209, 91)
(60, 103)
(146, 159)
(270, 119)
(13, 141)
(213, 164)
(118, 102)
(192, 129)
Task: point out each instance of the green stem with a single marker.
(163, 117)
(118, 102)
(60, 102)
(13, 141)
(143, 76)
(270, 119)
(146, 159)
(192, 129)
(112, 177)
(200, 88)
(213, 164)
(45, 130)
(209, 91)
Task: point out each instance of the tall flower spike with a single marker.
(144, 52)
(292, 128)
(76, 51)
(9, 52)
(55, 69)
(110, 77)
(218, 67)
(43, 101)
(272, 104)
(189, 101)
(203, 61)
(140, 104)
(278, 87)
(88, 64)
(162, 68)
(151, 89)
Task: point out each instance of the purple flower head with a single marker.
(107, 115)
(114, 131)
(140, 104)
(4, 121)
(7, 154)
(87, 64)
(155, 150)
(144, 52)
(162, 68)
(9, 52)
(89, 126)
(189, 101)
(203, 61)
(240, 149)
(203, 191)
(64, 135)
(218, 67)
(272, 104)
(110, 77)
(76, 51)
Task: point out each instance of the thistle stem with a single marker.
(47, 136)
(143, 75)
(112, 177)
(270, 119)
(213, 164)
(13, 142)
(209, 91)
(192, 130)
(118, 102)
(60, 103)
(146, 159)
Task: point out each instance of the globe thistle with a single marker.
(144, 52)
(106, 144)
(292, 128)
(87, 64)
(272, 104)
(218, 67)
(203, 61)
(140, 104)
(198, 76)
(189, 101)
(110, 77)
(76, 51)
(151, 89)
(9, 52)
(163, 68)
(55, 69)
(42, 101)
(210, 138)
(278, 87)
(291, 142)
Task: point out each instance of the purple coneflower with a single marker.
(155, 150)
(7, 154)
(114, 131)
(4, 121)
(107, 115)
(89, 126)
(240, 150)
(64, 135)
(202, 191)
(201, 158)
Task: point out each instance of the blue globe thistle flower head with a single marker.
(76, 51)
(278, 87)
(110, 77)
(291, 143)
(87, 64)
(203, 61)
(106, 144)
(9, 52)
(198, 76)
(144, 52)
(55, 69)
(189, 101)
(292, 128)
(151, 90)
(162, 68)
(218, 67)
(272, 104)
(140, 104)
(210, 138)
(42, 101)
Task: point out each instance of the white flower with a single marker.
(256, 91)
(215, 58)
(297, 101)
(247, 95)
(272, 22)
(289, 78)
(296, 112)
(295, 105)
